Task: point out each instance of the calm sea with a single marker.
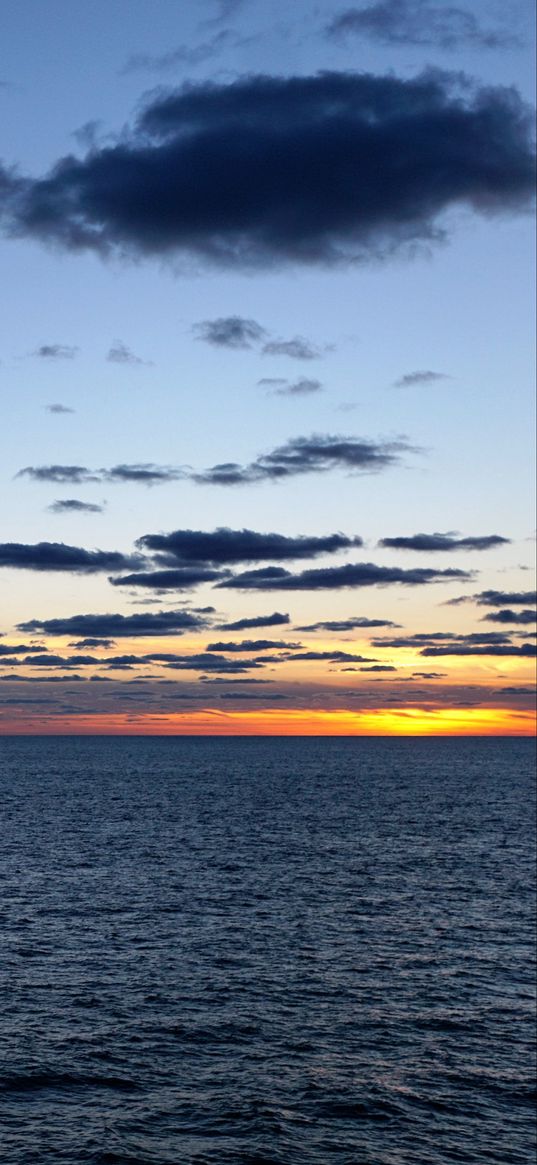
(266, 951)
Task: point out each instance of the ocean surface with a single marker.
(266, 951)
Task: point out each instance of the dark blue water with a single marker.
(266, 952)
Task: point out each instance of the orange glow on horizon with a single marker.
(404, 721)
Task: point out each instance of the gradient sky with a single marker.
(267, 271)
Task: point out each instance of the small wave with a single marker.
(39, 1081)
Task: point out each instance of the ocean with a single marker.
(267, 951)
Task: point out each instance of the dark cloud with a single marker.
(17, 648)
(267, 170)
(505, 598)
(144, 473)
(428, 675)
(517, 691)
(59, 474)
(92, 642)
(58, 409)
(298, 349)
(496, 599)
(418, 22)
(240, 680)
(57, 556)
(348, 624)
(301, 455)
(73, 506)
(274, 620)
(360, 574)
(527, 650)
(169, 580)
(426, 638)
(252, 645)
(506, 615)
(56, 352)
(224, 546)
(118, 353)
(435, 542)
(329, 656)
(410, 379)
(118, 626)
(230, 332)
(209, 662)
(379, 667)
(302, 387)
(264, 696)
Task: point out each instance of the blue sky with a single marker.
(426, 349)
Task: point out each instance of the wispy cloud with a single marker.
(419, 22)
(420, 378)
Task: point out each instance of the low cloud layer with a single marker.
(268, 170)
(443, 542)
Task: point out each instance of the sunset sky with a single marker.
(267, 367)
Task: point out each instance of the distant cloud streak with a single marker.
(419, 22)
(441, 542)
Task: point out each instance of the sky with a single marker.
(267, 367)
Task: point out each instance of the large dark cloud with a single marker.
(300, 455)
(418, 22)
(440, 542)
(360, 574)
(224, 546)
(116, 626)
(268, 170)
(169, 580)
(57, 556)
(277, 619)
